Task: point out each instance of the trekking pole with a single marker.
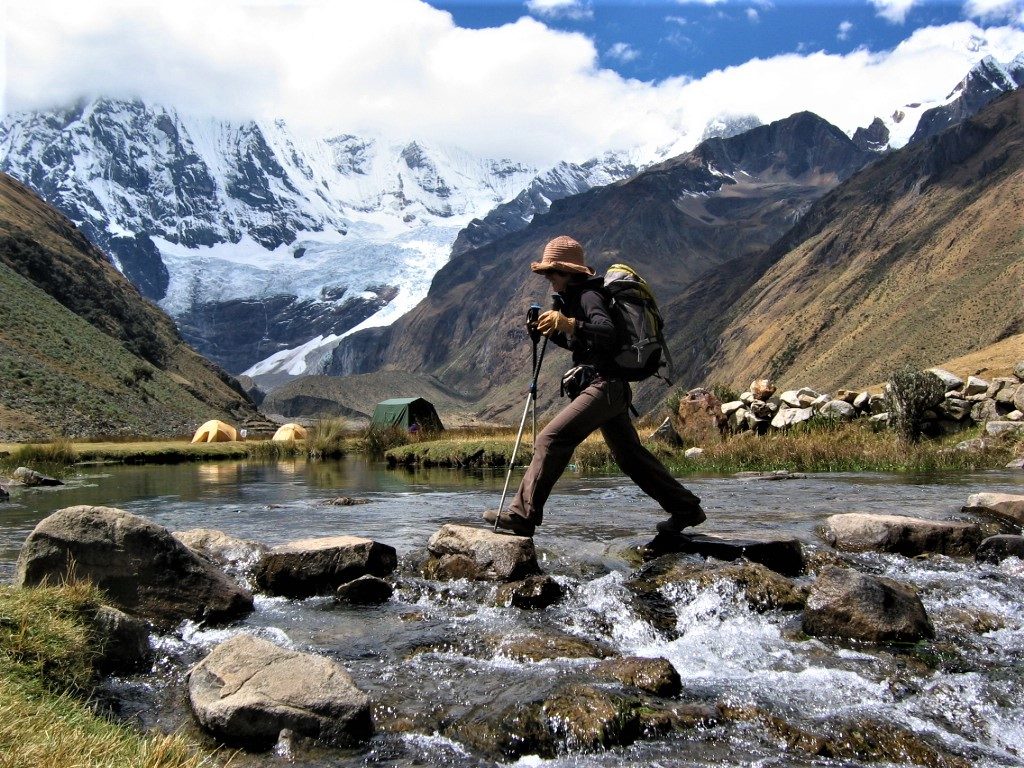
(531, 324)
(556, 303)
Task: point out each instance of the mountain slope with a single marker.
(81, 352)
(676, 222)
(918, 258)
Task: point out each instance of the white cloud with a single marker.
(894, 11)
(845, 27)
(753, 16)
(700, 2)
(405, 69)
(995, 10)
(623, 52)
(568, 9)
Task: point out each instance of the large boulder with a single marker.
(788, 417)
(838, 409)
(949, 380)
(847, 604)
(248, 690)
(1005, 507)
(138, 564)
(996, 428)
(485, 554)
(857, 532)
(995, 549)
(366, 590)
(650, 675)
(319, 566)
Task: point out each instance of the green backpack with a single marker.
(643, 352)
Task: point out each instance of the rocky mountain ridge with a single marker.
(681, 220)
(82, 353)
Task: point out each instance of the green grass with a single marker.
(824, 447)
(46, 656)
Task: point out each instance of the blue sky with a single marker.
(652, 41)
(537, 81)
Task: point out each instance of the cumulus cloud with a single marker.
(844, 30)
(406, 70)
(623, 52)
(995, 10)
(753, 16)
(894, 11)
(568, 9)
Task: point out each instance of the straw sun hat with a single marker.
(563, 254)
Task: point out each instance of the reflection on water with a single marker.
(423, 656)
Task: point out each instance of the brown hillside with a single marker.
(919, 258)
(81, 352)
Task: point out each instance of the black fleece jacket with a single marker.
(595, 340)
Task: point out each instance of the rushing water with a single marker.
(964, 692)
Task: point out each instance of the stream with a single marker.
(422, 656)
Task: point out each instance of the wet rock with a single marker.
(319, 566)
(248, 690)
(847, 604)
(236, 556)
(495, 556)
(761, 587)
(123, 642)
(575, 718)
(1005, 507)
(138, 564)
(995, 549)
(345, 501)
(4, 493)
(857, 532)
(779, 474)
(862, 741)
(532, 593)
(366, 590)
(32, 479)
(783, 556)
(656, 676)
(450, 568)
(545, 646)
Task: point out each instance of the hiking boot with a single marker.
(677, 521)
(516, 524)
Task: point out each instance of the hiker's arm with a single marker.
(597, 330)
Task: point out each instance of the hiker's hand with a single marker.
(553, 320)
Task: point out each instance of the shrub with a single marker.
(909, 395)
(54, 456)
(379, 440)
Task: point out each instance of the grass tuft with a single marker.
(46, 657)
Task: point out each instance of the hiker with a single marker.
(600, 400)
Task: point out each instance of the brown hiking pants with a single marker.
(603, 405)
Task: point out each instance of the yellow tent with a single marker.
(215, 431)
(290, 431)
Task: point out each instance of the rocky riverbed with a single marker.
(876, 639)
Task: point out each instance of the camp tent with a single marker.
(404, 412)
(290, 431)
(215, 431)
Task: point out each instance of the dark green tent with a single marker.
(404, 412)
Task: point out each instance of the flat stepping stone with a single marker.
(481, 554)
(859, 532)
(783, 556)
(1006, 507)
(319, 566)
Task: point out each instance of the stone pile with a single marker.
(998, 403)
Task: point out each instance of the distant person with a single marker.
(414, 428)
(600, 400)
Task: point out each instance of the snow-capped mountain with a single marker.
(917, 121)
(256, 239)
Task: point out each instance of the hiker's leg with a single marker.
(643, 467)
(554, 448)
